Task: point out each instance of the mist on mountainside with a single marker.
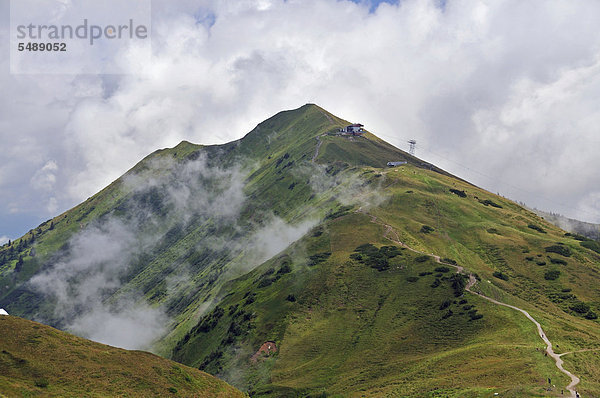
(589, 230)
(91, 284)
(85, 282)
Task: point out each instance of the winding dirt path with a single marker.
(549, 350)
(319, 143)
(389, 230)
(584, 350)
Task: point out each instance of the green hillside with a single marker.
(347, 327)
(272, 164)
(37, 360)
(293, 262)
(175, 233)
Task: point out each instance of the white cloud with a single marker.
(45, 178)
(507, 89)
(131, 328)
(3, 239)
(86, 282)
(52, 205)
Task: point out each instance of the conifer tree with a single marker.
(19, 265)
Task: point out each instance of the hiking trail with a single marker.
(319, 143)
(389, 231)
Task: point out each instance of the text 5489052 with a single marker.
(42, 46)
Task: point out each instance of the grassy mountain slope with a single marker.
(351, 329)
(346, 318)
(37, 360)
(274, 165)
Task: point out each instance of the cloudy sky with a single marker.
(505, 94)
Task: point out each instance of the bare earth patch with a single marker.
(266, 349)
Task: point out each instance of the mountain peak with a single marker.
(312, 133)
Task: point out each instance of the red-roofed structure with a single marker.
(354, 129)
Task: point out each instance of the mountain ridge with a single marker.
(83, 367)
(270, 239)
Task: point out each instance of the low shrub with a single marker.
(552, 275)
(421, 259)
(265, 282)
(580, 307)
(448, 260)
(591, 315)
(342, 211)
(318, 258)
(425, 273)
(537, 228)
(412, 278)
(375, 258)
(369, 255)
(489, 202)
(425, 229)
(591, 244)
(213, 356)
(389, 251)
(558, 261)
(500, 275)
(367, 248)
(577, 236)
(566, 296)
(559, 249)
(462, 194)
(445, 304)
(285, 269)
(442, 269)
(458, 283)
(209, 321)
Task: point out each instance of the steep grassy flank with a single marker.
(489, 239)
(37, 360)
(359, 151)
(344, 327)
(279, 180)
(48, 242)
